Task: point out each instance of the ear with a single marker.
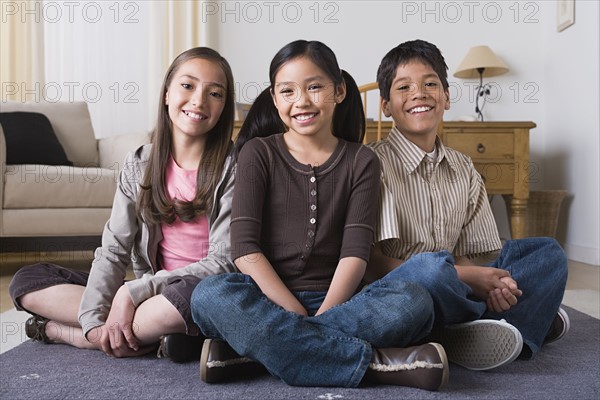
(340, 93)
(385, 107)
(447, 97)
(273, 97)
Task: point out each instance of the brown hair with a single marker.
(153, 205)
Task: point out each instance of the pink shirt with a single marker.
(183, 242)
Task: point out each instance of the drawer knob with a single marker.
(480, 148)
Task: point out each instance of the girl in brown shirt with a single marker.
(303, 217)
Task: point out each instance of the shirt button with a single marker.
(313, 207)
(313, 192)
(313, 179)
(311, 233)
(312, 220)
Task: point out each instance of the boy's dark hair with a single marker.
(419, 50)
(348, 118)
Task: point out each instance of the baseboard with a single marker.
(586, 255)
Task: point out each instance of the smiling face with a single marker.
(417, 103)
(305, 97)
(196, 98)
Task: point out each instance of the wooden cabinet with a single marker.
(500, 153)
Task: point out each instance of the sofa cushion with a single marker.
(113, 149)
(47, 186)
(30, 139)
(72, 124)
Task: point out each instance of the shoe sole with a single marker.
(232, 366)
(444, 359)
(482, 345)
(204, 360)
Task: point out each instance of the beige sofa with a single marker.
(46, 200)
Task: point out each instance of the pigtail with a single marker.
(349, 115)
(262, 120)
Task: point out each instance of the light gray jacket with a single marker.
(126, 240)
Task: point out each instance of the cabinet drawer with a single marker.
(498, 178)
(482, 145)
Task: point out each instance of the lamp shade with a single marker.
(480, 57)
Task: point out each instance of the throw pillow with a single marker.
(30, 139)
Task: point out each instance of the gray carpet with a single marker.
(568, 369)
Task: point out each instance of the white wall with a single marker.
(553, 78)
(361, 32)
(571, 151)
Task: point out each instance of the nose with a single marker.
(303, 99)
(197, 97)
(418, 91)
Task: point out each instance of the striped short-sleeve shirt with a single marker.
(431, 205)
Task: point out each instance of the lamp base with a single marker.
(482, 91)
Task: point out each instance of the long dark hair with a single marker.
(153, 205)
(348, 116)
(262, 120)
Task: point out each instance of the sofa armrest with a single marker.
(113, 149)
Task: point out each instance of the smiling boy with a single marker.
(434, 205)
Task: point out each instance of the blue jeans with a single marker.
(332, 349)
(538, 265)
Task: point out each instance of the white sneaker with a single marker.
(481, 345)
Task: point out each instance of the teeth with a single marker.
(304, 117)
(420, 109)
(194, 115)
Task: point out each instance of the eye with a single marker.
(287, 92)
(216, 94)
(404, 88)
(431, 84)
(186, 86)
(315, 86)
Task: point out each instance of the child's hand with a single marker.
(502, 299)
(100, 337)
(120, 325)
(493, 285)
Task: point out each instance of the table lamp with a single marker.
(480, 61)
